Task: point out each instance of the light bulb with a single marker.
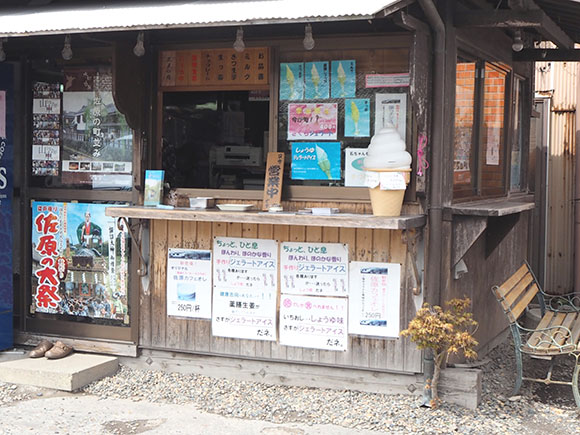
(2, 52)
(308, 39)
(239, 45)
(67, 52)
(518, 44)
(139, 49)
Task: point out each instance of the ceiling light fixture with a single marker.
(308, 39)
(518, 44)
(67, 52)
(139, 49)
(239, 44)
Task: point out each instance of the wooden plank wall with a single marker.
(158, 331)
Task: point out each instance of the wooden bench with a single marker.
(558, 332)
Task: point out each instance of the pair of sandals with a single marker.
(51, 351)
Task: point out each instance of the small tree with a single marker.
(443, 331)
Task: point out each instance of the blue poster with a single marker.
(291, 81)
(80, 260)
(316, 85)
(316, 160)
(6, 185)
(343, 79)
(357, 119)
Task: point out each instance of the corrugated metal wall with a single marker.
(559, 80)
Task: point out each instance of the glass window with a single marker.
(517, 136)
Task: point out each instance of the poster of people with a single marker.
(46, 128)
(80, 261)
(97, 142)
(245, 288)
(189, 283)
(374, 297)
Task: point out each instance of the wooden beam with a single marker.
(546, 55)
(502, 18)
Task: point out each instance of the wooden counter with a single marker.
(341, 220)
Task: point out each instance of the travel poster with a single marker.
(314, 268)
(80, 261)
(357, 117)
(291, 81)
(343, 79)
(312, 121)
(374, 299)
(314, 322)
(189, 283)
(391, 109)
(354, 173)
(316, 83)
(97, 141)
(315, 161)
(245, 288)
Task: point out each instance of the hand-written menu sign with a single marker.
(313, 322)
(374, 299)
(245, 288)
(214, 67)
(273, 181)
(189, 283)
(314, 268)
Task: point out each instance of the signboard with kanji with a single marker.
(273, 181)
(220, 67)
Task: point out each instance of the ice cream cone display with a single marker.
(388, 172)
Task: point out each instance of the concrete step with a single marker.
(68, 374)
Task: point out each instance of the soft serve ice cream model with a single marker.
(387, 167)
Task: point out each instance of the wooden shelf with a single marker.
(492, 207)
(346, 220)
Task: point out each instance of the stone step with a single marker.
(67, 374)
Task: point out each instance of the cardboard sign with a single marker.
(273, 181)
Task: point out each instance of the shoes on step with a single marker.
(59, 350)
(41, 349)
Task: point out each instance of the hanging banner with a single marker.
(313, 322)
(315, 161)
(80, 261)
(314, 268)
(6, 193)
(245, 288)
(312, 121)
(374, 299)
(97, 141)
(189, 283)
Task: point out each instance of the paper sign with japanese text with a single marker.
(315, 160)
(189, 283)
(374, 299)
(314, 322)
(387, 80)
(168, 65)
(319, 269)
(273, 181)
(343, 79)
(291, 81)
(391, 109)
(354, 174)
(312, 121)
(316, 80)
(245, 288)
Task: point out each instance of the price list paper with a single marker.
(245, 288)
(189, 283)
(374, 299)
(313, 322)
(319, 269)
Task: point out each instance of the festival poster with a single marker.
(189, 283)
(319, 269)
(315, 161)
(292, 81)
(374, 299)
(343, 79)
(245, 288)
(312, 121)
(391, 109)
(354, 173)
(97, 141)
(357, 117)
(316, 83)
(80, 260)
(314, 322)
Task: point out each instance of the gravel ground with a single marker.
(537, 410)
